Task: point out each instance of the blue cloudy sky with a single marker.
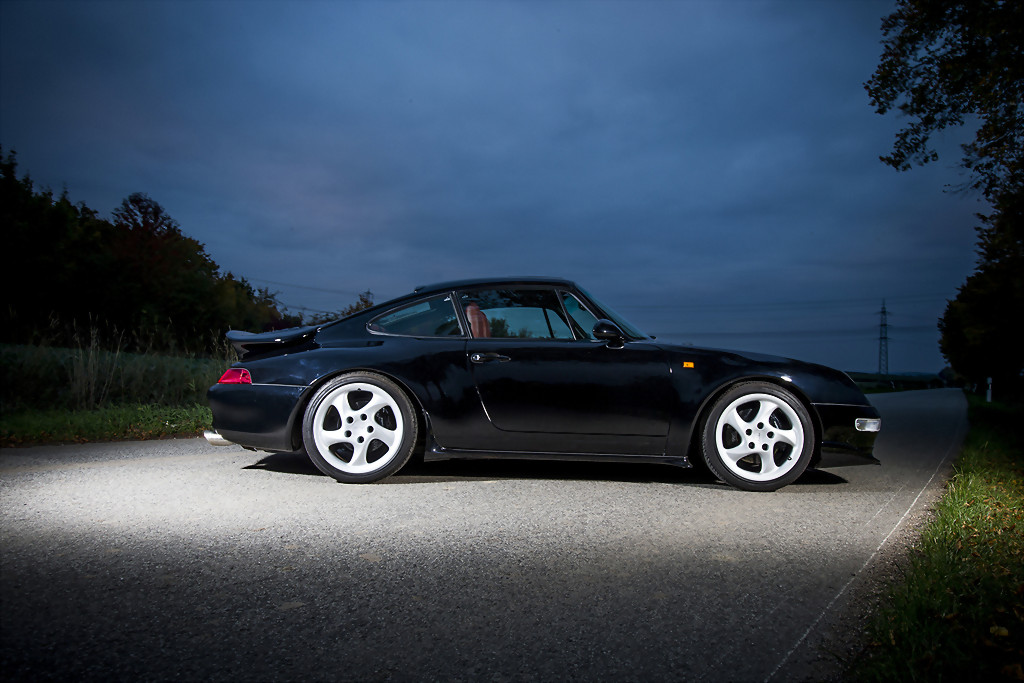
(708, 168)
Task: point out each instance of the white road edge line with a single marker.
(887, 503)
(959, 442)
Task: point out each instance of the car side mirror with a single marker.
(608, 331)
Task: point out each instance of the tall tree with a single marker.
(139, 275)
(981, 326)
(139, 213)
(949, 64)
(946, 64)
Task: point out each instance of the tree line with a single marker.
(135, 280)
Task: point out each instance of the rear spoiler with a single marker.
(253, 343)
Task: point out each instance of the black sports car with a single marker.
(530, 368)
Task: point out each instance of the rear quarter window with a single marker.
(434, 317)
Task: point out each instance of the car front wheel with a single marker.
(359, 428)
(758, 437)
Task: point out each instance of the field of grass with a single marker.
(959, 613)
(51, 394)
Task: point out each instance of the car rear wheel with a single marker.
(359, 428)
(758, 437)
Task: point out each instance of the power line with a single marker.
(315, 289)
(849, 332)
(304, 308)
(792, 304)
(773, 334)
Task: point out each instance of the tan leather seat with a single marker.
(478, 323)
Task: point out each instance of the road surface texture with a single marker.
(177, 560)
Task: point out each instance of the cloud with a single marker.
(675, 151)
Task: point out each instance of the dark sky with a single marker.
(708, 168)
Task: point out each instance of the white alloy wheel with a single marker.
(758, 437)
(359, 428)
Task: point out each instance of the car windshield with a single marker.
(616, 318)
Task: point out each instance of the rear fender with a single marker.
(295, 420)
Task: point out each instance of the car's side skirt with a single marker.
(434, 451)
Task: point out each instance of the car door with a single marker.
(536, 377)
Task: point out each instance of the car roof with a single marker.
(476, 282)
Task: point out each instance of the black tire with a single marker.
(758, 437)
(359, 428)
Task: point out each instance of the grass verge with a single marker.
(113, 423)
(959, 614)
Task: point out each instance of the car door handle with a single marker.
(489, 357)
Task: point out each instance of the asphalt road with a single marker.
(177, 560)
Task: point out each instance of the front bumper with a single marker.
(848, 435)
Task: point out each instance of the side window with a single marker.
(434, 317)
(580, 315)
(515, 313)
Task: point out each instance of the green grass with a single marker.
(959, 614)
(112, 423)
(59, 395)
(46, 378)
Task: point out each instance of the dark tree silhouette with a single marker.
(138, 275)
(981, 326)
(140, 214)
(948, 64)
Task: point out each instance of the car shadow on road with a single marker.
(468, 470)
(419, 472)
(641, 473)
(296, 462)
(820, 478)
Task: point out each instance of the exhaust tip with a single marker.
(216, 439)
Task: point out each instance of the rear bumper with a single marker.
(260, 416)
(844, 441)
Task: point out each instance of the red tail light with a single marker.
(235, 376)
